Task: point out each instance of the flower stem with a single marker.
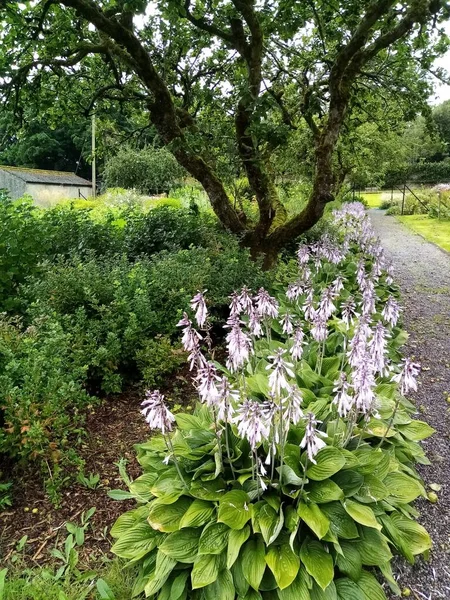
(169, 446)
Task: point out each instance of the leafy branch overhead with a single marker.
(262, 70)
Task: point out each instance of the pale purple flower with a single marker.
(280, 369)
(363, 380)
(199, 305)
(238, 343)
(228, 397)
(389, 274)
(245, 300)
(207, 379)
(348, 311)
(254, 324)
(298, 342)
(196, 358)
(361, 273)
(407, 378)
(358, 343)
(319, 329)
(368, 298)
(286, 323)
(266, 305)
(235, 305)
(326, 306)
(308, 306)
(337, 285)
(378, 347)
(312, 441)
(303, 254)
(343, 400)
(292, 412)
(294, 291)
(156, 413)
(391, 311)
(252, 423)
(191, 337)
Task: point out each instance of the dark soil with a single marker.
(112, 430)
(423, 273)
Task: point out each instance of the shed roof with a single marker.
(41, 176)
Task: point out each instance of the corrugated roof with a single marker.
(41, 176)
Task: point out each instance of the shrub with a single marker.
(22, 244)
(158, 358)
(297, 472)
(385, 204)
(150, 171)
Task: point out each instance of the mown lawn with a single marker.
(432, 230)
(373, 199)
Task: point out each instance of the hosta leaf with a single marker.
(187, 422)
(214, 538)
(416, 431)
(179, 585)
(137, 541)
(251, 595)
(370, 587)
(329, 461)
(318, 562)
(372, 547)
(205, 570)
(234, 509)
(182, 545)
(208, 490)
(291, 518)
(167, 517)
(284, 564)
(314, 518)
(127, 521)
(168, 488)
(409, 537)
(199, 513)
(402, 488)
(349, 563)
(372, 490)
(240, 583)
(349, 481)
(317, 593)
(298, 590)
(164, 566)
(348, 590)
(324, 491)
(361, 514)
(253, 561)
(379, 429)
(222, 588)
(141, 487)
(341, 524)
(270, 523)
(236, 538)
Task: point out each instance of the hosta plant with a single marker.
(295, 475)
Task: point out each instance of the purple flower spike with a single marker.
(199, 305)
(156, 413)
(312, 441)
(407, 376)
(266, 305)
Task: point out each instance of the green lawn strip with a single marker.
(432, 230)
(373, 199)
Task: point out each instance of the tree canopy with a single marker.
(247, 74)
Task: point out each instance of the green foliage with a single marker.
(150, 171)
(211, 523)
(158, 358)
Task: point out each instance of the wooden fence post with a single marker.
(403, 199)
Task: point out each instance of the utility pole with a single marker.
(94, 183)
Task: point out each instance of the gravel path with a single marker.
(423, 273)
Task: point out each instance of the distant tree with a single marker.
(150, 171)
(261, 68)
(441, 117)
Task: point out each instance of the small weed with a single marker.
(90, 481)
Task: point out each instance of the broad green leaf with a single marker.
(127, 521)
(168, 488)
(251, 595)
(298, 590)
(3, 573)
(208, 490)
(368, 459)
(318, 562)
(291, 518)
(214, 538)
(188, 422)
(324, 491)
(199, 513)
(270, 523)
(236, 538)
(137, 541)
(253, 561)
(240, 583)
(341, 524)
(182, 545)
(402, 488)
(370, 587)
(103, 589)
(348, 589)
(205, 570)
(284, 564)
(314, 518)
(372, 547)
(408, 536)
(164, 566)
(234, 509)
(167, 517)
(361, 514)
(372, 490)
(329, 461)
(329, 593)
(222, 588)
(349, 563)
(416, 431)
(141, 487)
(179, 585)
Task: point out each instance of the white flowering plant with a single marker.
(296, 473)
